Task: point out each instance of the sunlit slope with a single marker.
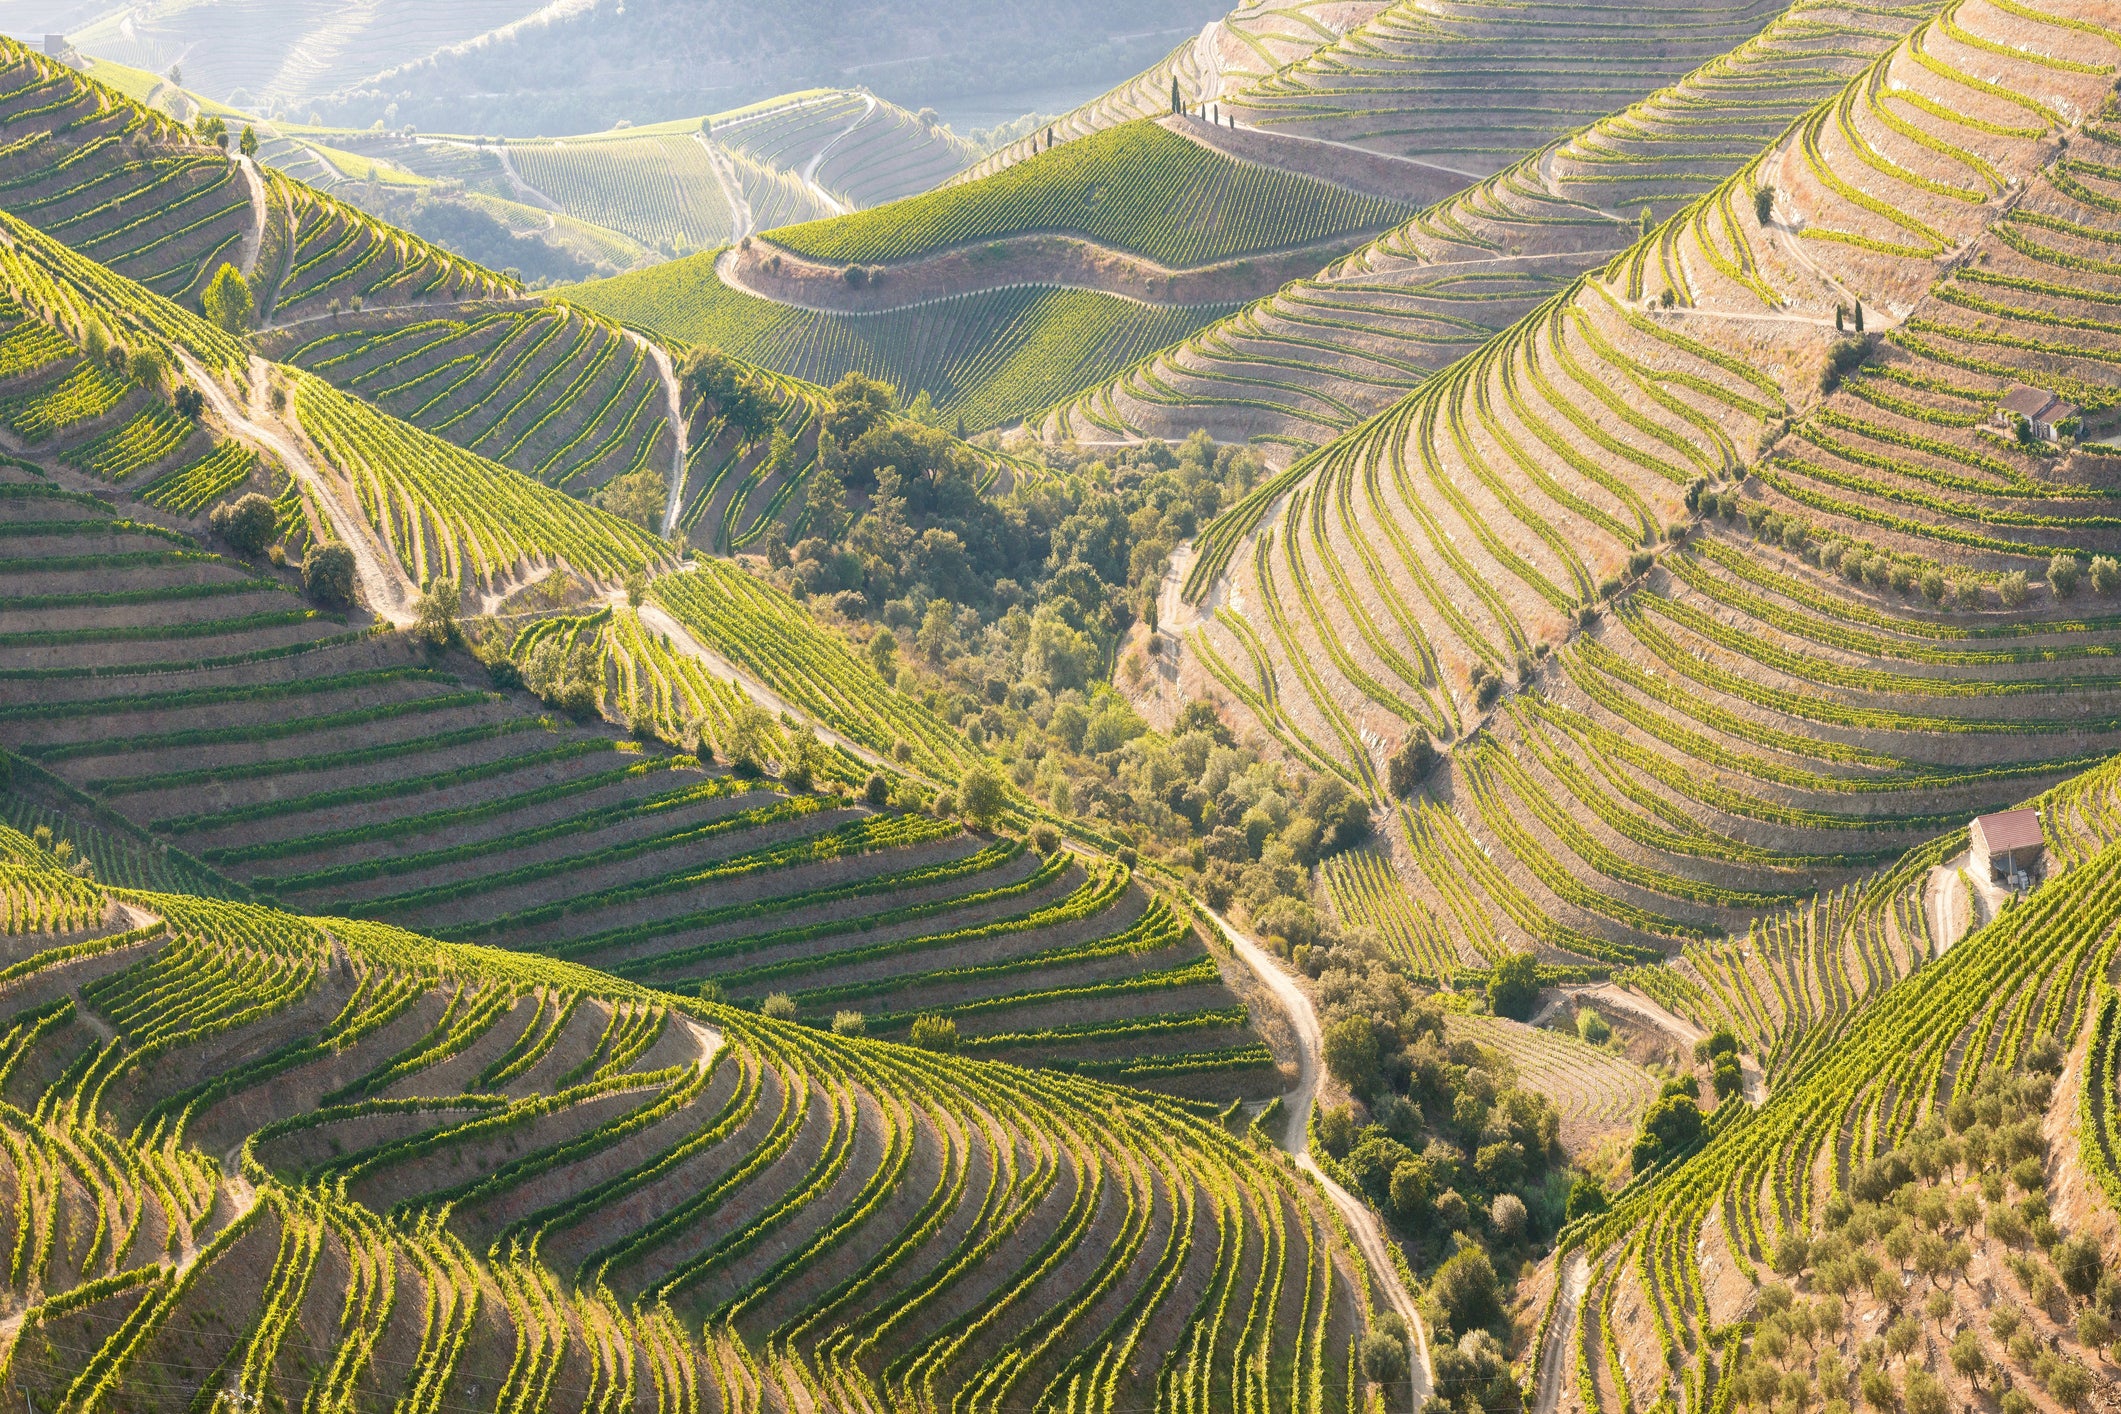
(1306, 364)
(283, 1155)
(1729, 665)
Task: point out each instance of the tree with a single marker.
(1352, 1053)
(211, 128)
(1409, 1189)
(877, 790)
(849, 1023)
(1412, 763)
(747, 738)
(637, 496)
(1175, 103)
(780, 1006)
(1764, 203)
(982, 794)
(934, 1033)
(1725, 1078)
(189, 402)
(1586, 1197)
(435, 616)
(2063, 572)
(636, 589)
(227, 301)
(248, 143)
(1508, 1217)
(806, 756)
(1859, 316)
(883, 654)
(1592, 1028)
(1466, 1291)
(247, 524)
(328, 574)
(729, 392)
(857, 403)
(2080, 1263)
(1669, 1127)
(1513, 987)
(1384, 1360)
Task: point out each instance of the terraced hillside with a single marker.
(1141, 187)
(125, 186)
(319, 1158)
(988, 357)
(1704, 642)
(337, 771)
(1974, 1060)
(1308, 363)
(540, 387)
(1253, 40)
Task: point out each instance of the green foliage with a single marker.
(1513, 986)
(328, 574)
(248, 524)
(934, 1033)
(227, 301)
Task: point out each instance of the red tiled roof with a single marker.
(2008, 831)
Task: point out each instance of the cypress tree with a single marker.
(1175, 105)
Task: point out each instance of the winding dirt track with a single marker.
(1361, 1221)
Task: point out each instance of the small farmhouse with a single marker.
(2043, 411)
(2008, 844)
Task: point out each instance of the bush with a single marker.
(1592, 1027)
(1409, 1189)
(1586, 1196)
(934, 1033)
(227, 301)
(710, 991)
(779, 1006)
(1466, 1292)
(1045, 837)
(1409, 766)
(1763, 203)
(1843, 357)
(1669, 1128)
(328, 574)
(2105, 574)
(1513, 987)
(2062, 574)
(849, 1023)
(247, 524)
(1353, 1054)
(945, 805)
(2012, 589)
(1508, 1217)
(877, 790)
(1384, 1360)
(982, 794)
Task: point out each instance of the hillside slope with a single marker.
(293, 1156)
(1860, 628)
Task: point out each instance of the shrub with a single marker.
(1513, 986)
(1592, 1027)
(2105, 574)
(1843, 357)
(1410, 1188)
(1045, 837)
(328, 574)
(1466, 1292)
(710, 991)
(1352, 1053)
(877, 790)
(2012, 589)
(982, 794)
(1669, 1128)
(934, 1033)
(1409, 766)
(435, 617)
(945, 805)
(2062, 573)
(1384, 1360)
(227, 301)
(849, 1023)
(247, 524)
(1763, 203)
(779, 1006)
(1508, 1217)
(1586, 1196)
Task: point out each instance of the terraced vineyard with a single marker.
(988, 357)
(540, 387)
(318, 254)
(1842, 649)
(862, 150)
(1254, 39)
(1301, 367)
(1928, 1058)
(123, 186)
(323, 767)
(1140, 188)
(455, 1173)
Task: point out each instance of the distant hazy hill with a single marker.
(518, 67)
